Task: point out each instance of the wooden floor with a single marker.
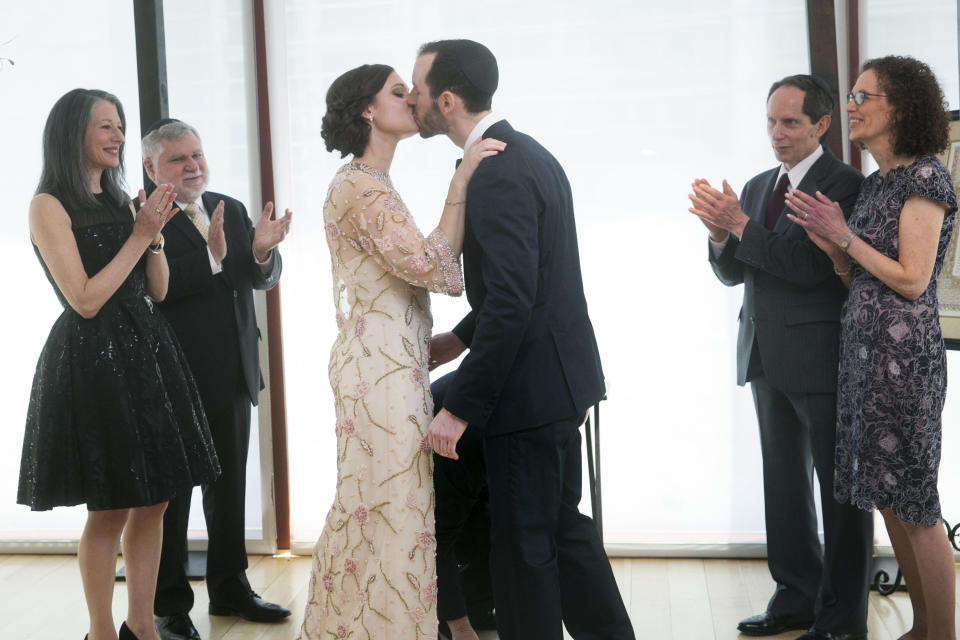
(679, 599)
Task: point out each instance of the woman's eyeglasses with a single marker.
(861, 96)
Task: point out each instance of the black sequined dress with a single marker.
(115, 419)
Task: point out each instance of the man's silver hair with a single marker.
(152, 143)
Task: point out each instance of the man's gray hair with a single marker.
(152, 143)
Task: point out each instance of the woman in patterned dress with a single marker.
(374, 565)
(892, 378)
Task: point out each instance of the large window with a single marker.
(210, 83)
(636, 100)
(925, 30)
(55, 46)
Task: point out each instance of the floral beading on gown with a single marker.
(374, 565)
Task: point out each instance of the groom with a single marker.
(533, 368)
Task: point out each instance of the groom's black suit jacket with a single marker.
(533, 355)
(791, 296)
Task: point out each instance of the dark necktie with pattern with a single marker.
(776, 202)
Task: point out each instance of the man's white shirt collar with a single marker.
(799, 171)
(481, 128)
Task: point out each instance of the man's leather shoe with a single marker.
(179, 626)
(768, 624)
(252, 608)
(813, 634)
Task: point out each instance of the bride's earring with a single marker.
(370, 118)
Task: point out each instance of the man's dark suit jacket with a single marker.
(213, 315)
(791, 297)
(533, 355)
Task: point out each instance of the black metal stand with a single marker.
(887, 576)
(196, 567)
(592, 431)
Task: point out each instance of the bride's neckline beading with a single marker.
(384, 178)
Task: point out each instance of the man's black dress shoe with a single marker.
(813, 634)
(768, 624)
(252, 608)
(179, 626)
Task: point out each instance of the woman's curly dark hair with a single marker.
(343, 128)
(921, 124)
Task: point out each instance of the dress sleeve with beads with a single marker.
(375, 221)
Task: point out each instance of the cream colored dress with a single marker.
(374, 565)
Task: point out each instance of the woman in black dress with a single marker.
(892, 377)
(115, 420)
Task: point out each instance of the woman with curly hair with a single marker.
(374, 565)
(892, 378)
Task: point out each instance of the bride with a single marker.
(374, 565)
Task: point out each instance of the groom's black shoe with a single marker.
(251, 607)
(768, 624)
(179, 626)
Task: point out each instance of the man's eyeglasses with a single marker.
(861, 96)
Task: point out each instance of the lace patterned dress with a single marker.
(374, 565)
(893, 375)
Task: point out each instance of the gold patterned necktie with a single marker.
(198, 219)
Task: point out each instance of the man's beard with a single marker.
(432, 122)
(190, 194)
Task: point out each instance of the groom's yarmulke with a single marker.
(478, 65)
(159, 123)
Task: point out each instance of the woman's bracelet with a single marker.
(157, 248)
(453, 204)
(842, 273)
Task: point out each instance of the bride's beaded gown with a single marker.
(374, 565)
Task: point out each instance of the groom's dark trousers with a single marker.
(532, 371)
(462, 518)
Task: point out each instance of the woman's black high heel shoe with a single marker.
(125, 633)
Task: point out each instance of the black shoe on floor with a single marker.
(768, 624)
(125, 633)
(252, 608)
(179, 626)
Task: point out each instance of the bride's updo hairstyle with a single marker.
(343, 127)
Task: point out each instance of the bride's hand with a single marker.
(482, 148)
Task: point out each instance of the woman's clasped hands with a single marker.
(155, 212)
(820, 217)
